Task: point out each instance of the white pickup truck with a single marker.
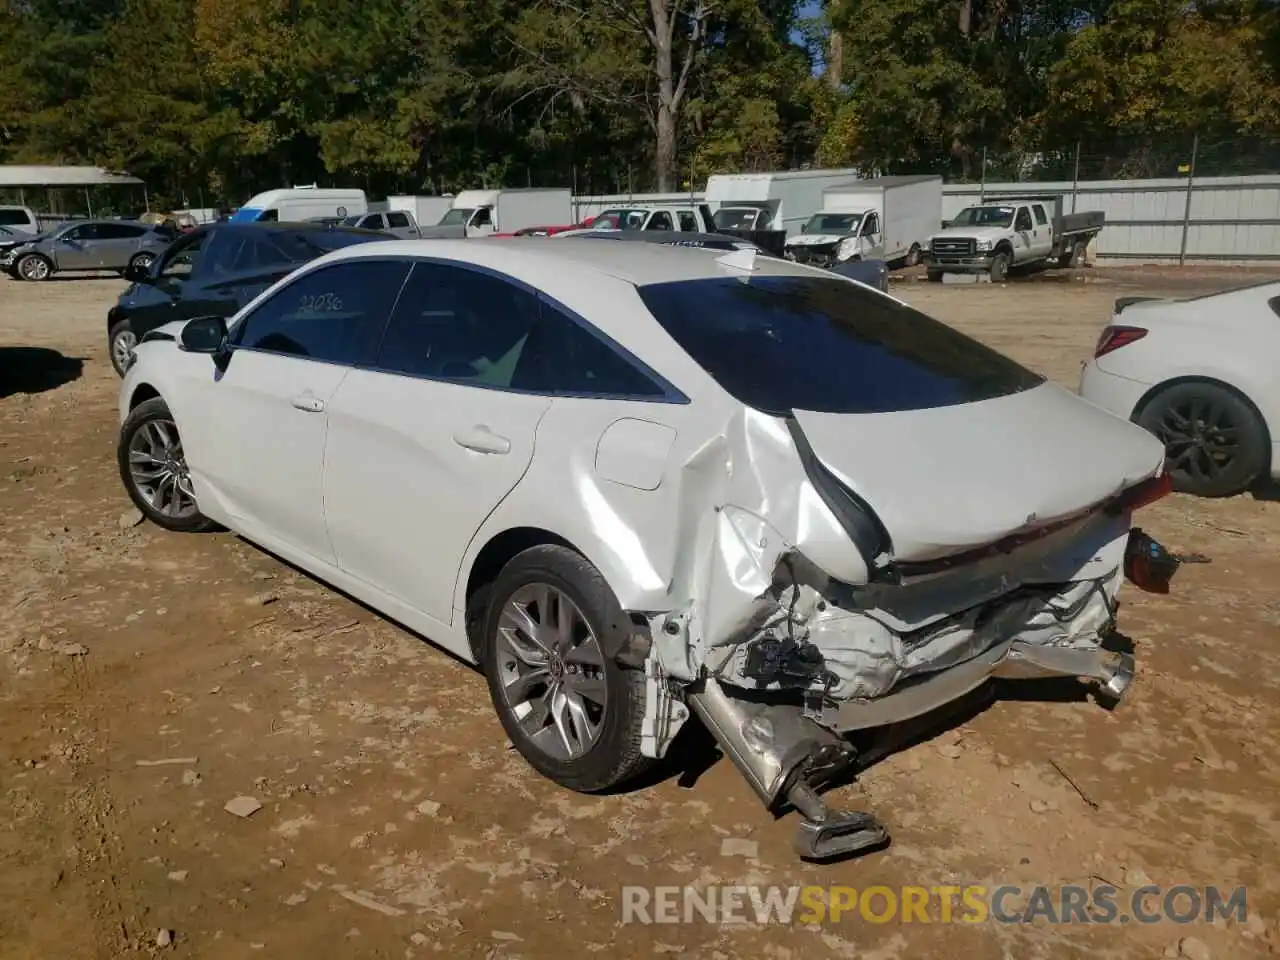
(994, 236)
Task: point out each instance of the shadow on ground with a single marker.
(35, 370)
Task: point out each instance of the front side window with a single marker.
(871, 225)
(780, 344)
(832, 223)
(660, 221)
(483, 218)
(457, 217)
(86, 231)
(983, 217)
(373, 222)
(1024, 219)
(334, 314)
(181, 260)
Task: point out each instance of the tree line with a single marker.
(231, 96)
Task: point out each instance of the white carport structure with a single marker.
(23, 178)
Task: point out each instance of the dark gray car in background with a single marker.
(82, 246)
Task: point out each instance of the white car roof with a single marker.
(536, 259)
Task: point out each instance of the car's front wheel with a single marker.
(572, 712)
(33, 267)
(121, 341)
(153, 466)
(142, 261)
(1215, 443)
(1000, 264)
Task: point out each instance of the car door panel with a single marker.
(262, 454)
(447, 454)
(74, 250)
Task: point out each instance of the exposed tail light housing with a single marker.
(1116, 336)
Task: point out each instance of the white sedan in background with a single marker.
(632, 480)
(1200, 374)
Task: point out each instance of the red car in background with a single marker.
(545, 231)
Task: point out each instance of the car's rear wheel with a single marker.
(121, 341)
(153, 466)
(1215, 443)
(142, 261)
(33, 267)
(572, 712)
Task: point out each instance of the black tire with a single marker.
(933, 276)
(145, 413)
(1197, 422)
(1073, 258)
(913, 255)
(143, 260)
(1001, 261)
(118, 338)
(33, 267)
(614, 756)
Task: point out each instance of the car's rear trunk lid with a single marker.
(951, 479)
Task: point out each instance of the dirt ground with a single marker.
(148, 678)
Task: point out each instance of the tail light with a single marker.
(1114, 337)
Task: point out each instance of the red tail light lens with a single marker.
(1115, 337)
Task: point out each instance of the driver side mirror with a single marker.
(136, 273)
(205, 335)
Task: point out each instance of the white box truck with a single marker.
(885, 218)
(771, 201)
(477, 213)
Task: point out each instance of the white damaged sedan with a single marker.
(631, 481)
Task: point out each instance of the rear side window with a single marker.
(305, 245)
(564, 357)
(456, 324)
(397, 220)
(1274, 304)
(1041, 219)
(688, 222)
(14, 218)
(780, 344)
(334, 314)
(120, 231)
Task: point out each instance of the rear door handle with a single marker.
(482, 440)
(308, 402)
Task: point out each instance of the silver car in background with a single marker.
(87, 245)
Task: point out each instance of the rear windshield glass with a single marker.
(823, 344)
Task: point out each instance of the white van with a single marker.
(296, 204)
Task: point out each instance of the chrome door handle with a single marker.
(308, 403)
(482, 440)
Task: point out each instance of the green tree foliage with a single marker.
(217, 99)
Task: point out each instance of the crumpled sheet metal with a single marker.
(738, 577)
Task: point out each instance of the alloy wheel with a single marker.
(158, 469)
(33, 268)
(1201, 439)
(551, 671)
(122, 348)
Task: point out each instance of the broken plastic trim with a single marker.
(856, 517)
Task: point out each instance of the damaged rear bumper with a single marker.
(788, 752)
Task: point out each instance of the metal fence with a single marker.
(1191, 219)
